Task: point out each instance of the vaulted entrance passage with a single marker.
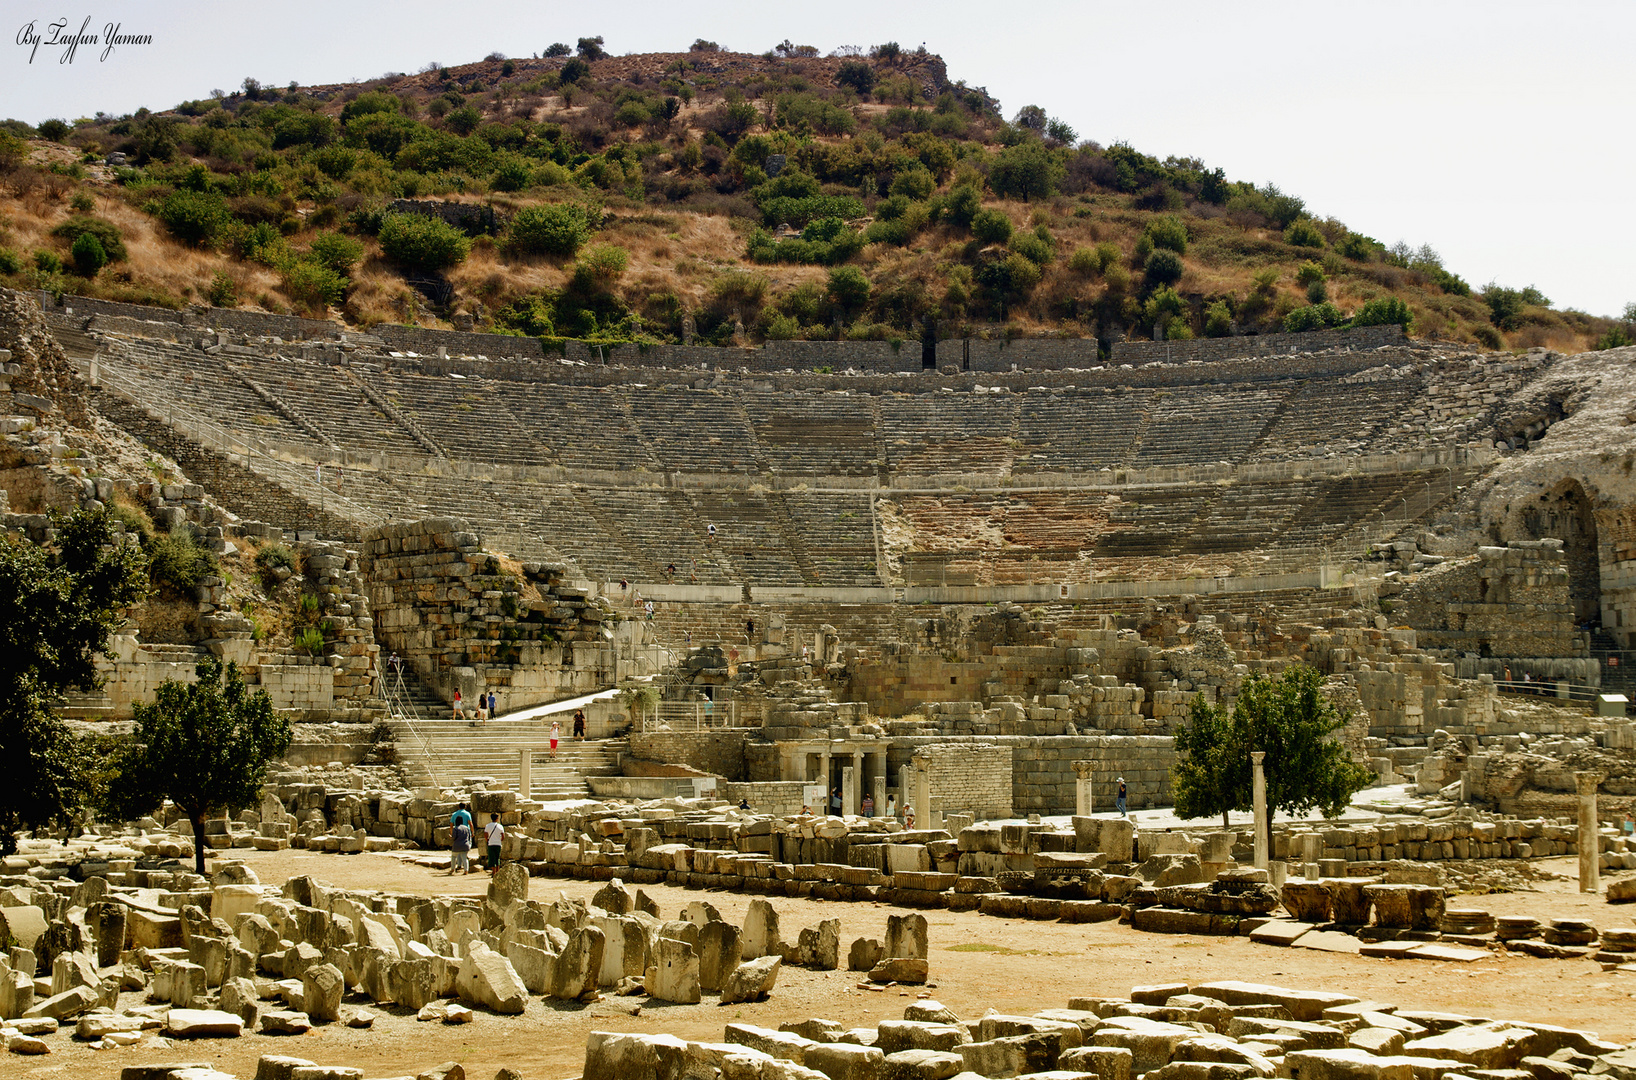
(1564, 513)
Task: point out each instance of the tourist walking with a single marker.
(460, 849)
(462, 817)
(457, 704)
(835, 802)
(491, 704)
(493, 834)
(556, 733)
(1119, 799)
(579, 723)
(868, 806)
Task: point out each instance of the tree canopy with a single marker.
(203, 745)
(1291, 721)
(59, 603)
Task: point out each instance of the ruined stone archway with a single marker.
(1564, 512)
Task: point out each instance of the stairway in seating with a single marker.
(451, 751)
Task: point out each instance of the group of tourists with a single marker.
(460, 842)
(480, 713)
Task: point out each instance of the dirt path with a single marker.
(978, 963)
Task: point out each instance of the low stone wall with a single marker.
(720, 753)
(975, 779)
(779, 797)
(1181, 352)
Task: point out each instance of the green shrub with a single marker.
(1218, 320)
(1382, 311)
(1309, 272)
(1313, 317)
(1504, 306)
(417, 242)
(1357, 247)
(1488, 337)
(195, 217)
(271, 559)
(1303, 233)
(10, 262)
(559, 229)
(1164, 267)
(1317, 291)
(857, 75)
(991, 227)
(1616, 338)
(223, 291)
(88, 255)
(962, 205)
(177, 561)
(1168, 232)
(337, 252)
(54, 130)
(915, 183)
(47, 262)
(309, 641)
(82, 203)
(848, 287)
(1085, 262)
(313, 285)
(1032, 248)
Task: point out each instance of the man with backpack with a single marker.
(459, 858)
(460, 849)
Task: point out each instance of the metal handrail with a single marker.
(216, 437)
(402, 708)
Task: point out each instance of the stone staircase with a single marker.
(449, 752)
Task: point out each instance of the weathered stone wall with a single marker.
(1510, 601)
(969, 778)
(720, 753)
(1179, 352)
(1042, 772)
(451, 612)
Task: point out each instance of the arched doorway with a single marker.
(1564, 513)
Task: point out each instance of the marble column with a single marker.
(1256, 758)
(525, 773)
(1083, 803)
(849, 789)
(880, 793)
(906, 789)
(1590, 843)
(923, 797)
(854, 800)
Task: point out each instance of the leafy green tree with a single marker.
(337, 252)
(1027, 170)
(1290, 720)
(58, 605)
(591, 47)
(195, 217)
(857, 75)
(88, 255)
(848, 288)
(106, 232)
(204, 745)
(1504, 306)
(557, 48)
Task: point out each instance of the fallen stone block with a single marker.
(751, 981)
(202, 1024)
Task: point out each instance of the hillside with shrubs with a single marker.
(721, 197)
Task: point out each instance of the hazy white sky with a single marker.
(1498, 132)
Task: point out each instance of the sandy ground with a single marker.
(978, 963)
